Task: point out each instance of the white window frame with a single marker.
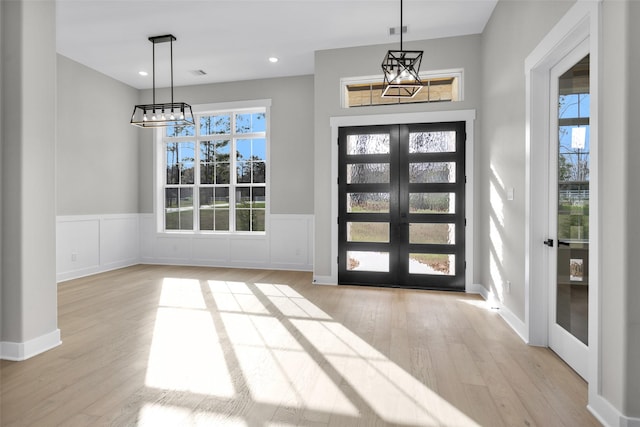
(424, 75)
(160, 168)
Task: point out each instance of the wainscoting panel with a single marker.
(89, 244)
(286, 245)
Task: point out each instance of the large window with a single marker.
(215, 175)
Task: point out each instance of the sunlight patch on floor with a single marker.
(185, 353)
(285, 352)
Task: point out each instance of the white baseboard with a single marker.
(324, 280)
(607, 414)
(18, 351)
(512, 320)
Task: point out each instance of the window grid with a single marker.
(215, 174)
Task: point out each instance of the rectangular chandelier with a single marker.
(166, 114)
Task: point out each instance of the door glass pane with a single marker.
(432, 172)
(367, 202)
(432, 203)
(368, 173)
(432, 234)
(572, 300)
(438, 264)
(368, 232)
(432, 142)
(368, 261)
(368, 144)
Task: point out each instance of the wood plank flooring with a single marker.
(189, 346)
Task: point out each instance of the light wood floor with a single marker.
(185, 346)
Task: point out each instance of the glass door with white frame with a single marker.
(569, 216)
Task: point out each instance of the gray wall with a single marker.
(514, 30)
(97, 148)
(28, 192)
(291, 136)
(332, 65)
(633, 207)
(620, 231)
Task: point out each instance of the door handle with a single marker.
(561, 243)
(549, 242)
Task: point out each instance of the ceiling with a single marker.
(232, 40)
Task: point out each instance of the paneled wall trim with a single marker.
(287, 245)
(90, 244)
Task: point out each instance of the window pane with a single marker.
(207, 173)
(178, 208)
(172, 131)
(258, 197)
(222, 197)
(250, 122)
(368, 202)
(432, 203)
(173, 174)
(207, 151)
(259, 169)
(223, 175)
(186, 209)
(257, 220)
(173, 168)
(243, 172)
(243, 220)
(171, 220)
(186, 173)
(432, 142)
(368, 173)
(258, 149)
(432, 172)
(438, 264)
(243, 149)
(368, 144)
(368, 261)
(223, 150)
(221, 220)
(368, 232)
(215, 125)
(429, 233)
(206, 208)
(243, 197)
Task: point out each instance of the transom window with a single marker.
(216, 173)
(443, 86)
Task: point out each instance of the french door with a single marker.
(401, 206)
(569, 215)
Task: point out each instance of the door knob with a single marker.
(549, 242)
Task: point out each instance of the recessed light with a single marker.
(273, 59)
(143, 73)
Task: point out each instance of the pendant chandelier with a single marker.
(162, 114)
(401, 69)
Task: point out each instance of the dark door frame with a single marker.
(326, 253)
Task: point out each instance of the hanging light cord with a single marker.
(171, 70)
(401, 25)
(154, 72)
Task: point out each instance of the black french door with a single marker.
(401, 206)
